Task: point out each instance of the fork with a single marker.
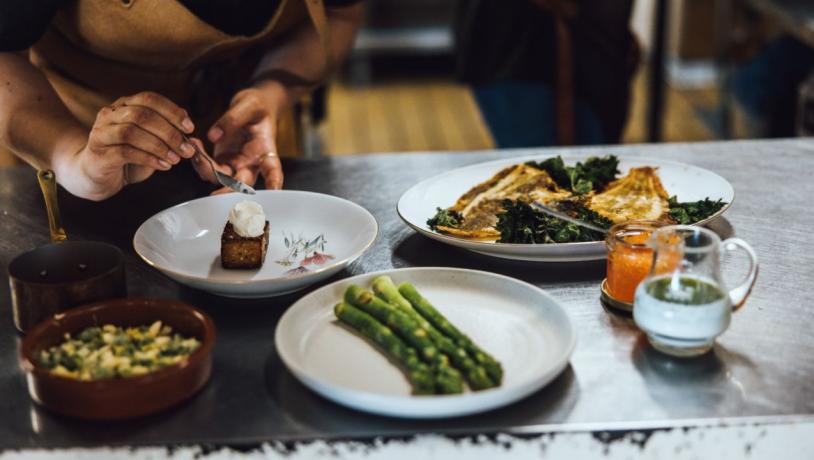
(224, 179)
(560, 215)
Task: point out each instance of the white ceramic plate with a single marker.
(416, 205)
(311, 237)
(519, 324)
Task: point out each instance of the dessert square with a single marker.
(241, 252)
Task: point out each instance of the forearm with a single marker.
(303, 56)
(34, 123)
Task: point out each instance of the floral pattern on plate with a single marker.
(305, 251)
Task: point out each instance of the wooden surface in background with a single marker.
(681, 123)
(441, 115)
(403, 116)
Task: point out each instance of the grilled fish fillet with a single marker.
(637, 196)
(480, 205)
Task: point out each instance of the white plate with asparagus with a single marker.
(426, 342)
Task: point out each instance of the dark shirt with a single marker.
(500, 40)
(23, 22)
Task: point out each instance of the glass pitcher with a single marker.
(683, 305)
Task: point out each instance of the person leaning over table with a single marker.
(101, 91)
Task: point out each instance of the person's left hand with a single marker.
(244, 138)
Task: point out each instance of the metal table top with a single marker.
(760, 368)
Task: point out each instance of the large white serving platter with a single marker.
(519, 324)
(416, 205)
(312, 236)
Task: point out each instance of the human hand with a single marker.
(244, 137)
(129, 141)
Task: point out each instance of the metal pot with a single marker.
(63, 274)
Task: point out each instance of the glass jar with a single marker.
(629, 259)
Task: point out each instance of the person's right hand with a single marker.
(129, 141)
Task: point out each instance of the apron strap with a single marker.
(316, 10)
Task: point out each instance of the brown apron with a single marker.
(96, 51)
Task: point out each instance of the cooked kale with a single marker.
(521, 224)
(583, 213)
(555, 167)
(693, 211)
(444, 218)
(596, 173)
(593, 175)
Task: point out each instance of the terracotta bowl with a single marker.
(124, 397)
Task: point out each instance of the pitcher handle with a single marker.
(739, 294)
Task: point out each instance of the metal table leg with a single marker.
(723, 44)
(655, 91)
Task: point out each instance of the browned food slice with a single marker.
(481, 205)
(242, 252)
(486, 234)
(637, 196)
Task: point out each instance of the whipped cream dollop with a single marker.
(248, 219)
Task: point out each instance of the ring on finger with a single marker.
(267, 155)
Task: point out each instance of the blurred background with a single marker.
(709, 69)
(730, 69)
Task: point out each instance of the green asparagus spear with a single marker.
(476, 375)
(411, 332)
(384, 287)
(397, 320)
(425, 308)
(418, 373)
(447, 379)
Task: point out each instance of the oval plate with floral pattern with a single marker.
(311, 237)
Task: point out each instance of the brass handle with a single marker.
(48, 184)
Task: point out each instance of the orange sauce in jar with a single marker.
(629, 257)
